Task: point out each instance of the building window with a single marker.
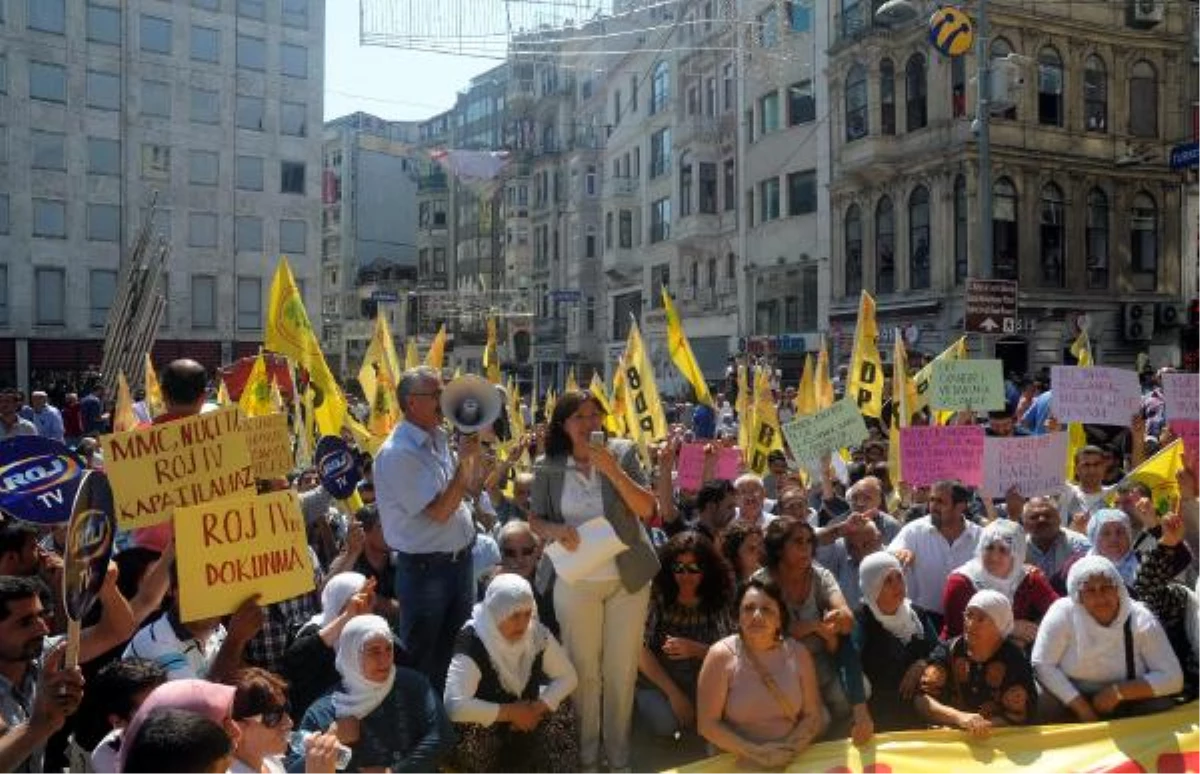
(295, 13)
(589, 181)
(608, 231)
(50, 218)
(1143, 243)
(104, 156)
(1001, 48)
(101, 291)
(591, 314)
(660, 153)
(958, 87)
(155, 34)
(202, 229)
(252, 9)
(660, 220)
(1097, 240)
(49, 150)
(802, 192)
(48, 15)
(914, 93)
(885, 246)
(800, 15)
(768, 27)
(103, 24)
(730, 186)
(589, 243)
(249, 303)
(685, 190)
(708, 188)
(293, 237)
(51, 296)
(47, 82)
(1050, 88)
(205, 106)
(660, 87)
(251, 53)
(768, 199)
(961, 246)
(918, 239)
(248, 173)
(249, 112)
(728, 87)
(204, 301)
(857, 122)
(1053, 238)
(103, 90)
(291, 177)
(802, 106)
(248, 233)
(1095, 95)
(625, 229)
(887, 97)
(103, 223)
(206, 44)
(1143, 100)
(3, 294)
(4, 219)
(3, 73)
(730, 268)
(203, 167)
(439, 260)
(852, 230)
(292, 119)
(1005, 247)
(768, 113)
(293, 60)
(207, 5)
(156, 99)
(156, 162)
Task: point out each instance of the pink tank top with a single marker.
(750, 706)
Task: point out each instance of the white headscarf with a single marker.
(359, 696)
(336, 594)
(1010, 534)
(996, 606)
(509, 593)
(1127, 565)
(873, 570)
(1092, 640)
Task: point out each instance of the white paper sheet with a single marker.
(597, 544)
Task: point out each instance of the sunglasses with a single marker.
(273, 717)
(513, 553)
(687, 568)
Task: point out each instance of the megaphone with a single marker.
(470, 403)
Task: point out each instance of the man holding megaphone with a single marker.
(421, 486)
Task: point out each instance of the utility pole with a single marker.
(745, 313)
(983, 116)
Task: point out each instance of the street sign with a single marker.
(385, 296)
(565, 296)
(1185, 155)
(991, 307)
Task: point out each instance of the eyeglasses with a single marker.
(513, 553)
(687, 568)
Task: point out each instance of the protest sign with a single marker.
(270, 445)
(690, 465)
(89, 546)
(1188, 430)
(837, 427)
(1034, 464)
(937, 452)
(1095, 395)
(156, 469)
(337, 466)
(1182, 394)
(229, 549)
(38, 479)
(729, 463)
(967, 385)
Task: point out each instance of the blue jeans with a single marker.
(436, 596)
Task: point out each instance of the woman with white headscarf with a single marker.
(507, 687)
(1101, 654)
(389, 716)
(1111, 535)
(894, 639)
(999, 565)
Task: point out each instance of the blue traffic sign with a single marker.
(1185, 155)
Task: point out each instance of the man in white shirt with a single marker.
(933, 546)
(1079, 501)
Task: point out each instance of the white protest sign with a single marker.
(1095, 395)
(1182, 394)
(837, 427)
(1034, 464)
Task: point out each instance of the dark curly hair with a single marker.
(716, 586)
(777, 534)
(733, 537)
(558, 443)
(767, 585)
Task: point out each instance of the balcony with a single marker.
(705, 130)
(549, 329)
(620, 187)
(704, 226)
(855, 22)
(622, 263)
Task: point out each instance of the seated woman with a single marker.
(999, 565)
(260, 710)
(894, 640)
(1101, 654)
(979, 680)
(507, 688)
(1173, 604)
(691, 607)
(757, 697)
(742, 546)
(389, 716)
(1111, 535)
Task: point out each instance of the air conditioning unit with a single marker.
(1139, 322)
(1145, 13)
(1168, 315)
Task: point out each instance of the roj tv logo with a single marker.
(38, 479)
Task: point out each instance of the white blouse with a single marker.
(582, 501)
(462, 681)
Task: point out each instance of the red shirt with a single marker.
(1031, 601)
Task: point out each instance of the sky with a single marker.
(390, 83)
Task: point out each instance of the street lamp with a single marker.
(895, 12)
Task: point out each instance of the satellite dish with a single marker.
(895, 12)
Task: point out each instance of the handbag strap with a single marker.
(784, 703)
(1130, 671)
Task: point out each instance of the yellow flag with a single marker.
(366, 440)
(1081, 350)
(766, 437)
(256, 394)
(223, 398)
(865, 380)
(744, 406)
(491, 358)
(412, 355)
(600, 393)
(154, 398)
(277, 404)
(290, 333)
(551, 402)
(1159, 472)
(437, 350)
(379, 376)
(806, 395)
(645, 406)
(572, 384)
(920, 382)
(516, 418)
(616, 423)
(823, 384)
(681, 352)
(123, 418)
(302, 446)
(901, 405)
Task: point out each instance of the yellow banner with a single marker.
(123, 417)
(644, 404)
(1167, 741)
(865, 379)
(256, 394)
(767, 437)
(231, 549)
(192, 461)
(154, 398)
(270, 444)
(437, 350)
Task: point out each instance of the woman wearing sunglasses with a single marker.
(690, 609)
(260, 710)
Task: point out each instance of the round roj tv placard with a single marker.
(337, 466)
(38, 479)
(89, 544)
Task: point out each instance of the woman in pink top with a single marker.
(757, 696)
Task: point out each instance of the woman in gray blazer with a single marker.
(601, 615)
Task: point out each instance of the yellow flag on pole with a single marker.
(1158, 473)
(806, 396)
(290, 333)
(616, 423)
(681, 352)
(516, 418)
(865, 380)
(223, 398)
(645, 406)
(154, 398)
(920, 382)
(551, 402)
(277, 404)
(902, 394)
(572, 385)
(596, 387)
(437, 349)
(255, 400)
(380, 360)
(744, 406)
(491, 357)
(123, 419)
(766, 437)
(412, 354)
(821, 379)
(1081, 349)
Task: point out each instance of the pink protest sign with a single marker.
(1188, 430)
(729, 463)
(690, 465)
(929, 454)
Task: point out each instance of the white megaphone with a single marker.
(470, 403)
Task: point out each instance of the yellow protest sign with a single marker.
(156, 469)
(270, 444)
(229, 549)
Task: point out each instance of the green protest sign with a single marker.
(970, 385)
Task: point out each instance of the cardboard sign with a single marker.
(970, 385)
(1034, 464)
(1182, 394)
(935, 453)
(1188, 431)
(690, 465)
(89, 544)
(1095, 395)
(270, 445)
(38, 479)
(156, 469)
(230, 549)
(837, 427)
